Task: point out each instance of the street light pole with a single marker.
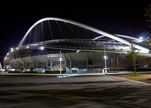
(105, 57)
(60, 62)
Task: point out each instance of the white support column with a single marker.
(47, 61)
(70, 63)
(24, 64)
(60, 59)
(46, 64)
(51, 61)
(34, 62)
(93, 63)
(111, 61)
(51, 64)
(87, 62)
(65, 60)
(17, 64)
(117, 61)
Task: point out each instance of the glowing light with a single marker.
(141, 38)
(43, 70)
(12, 49)
(17, 48)
(77, 51)
(34, 44)
(105, 57)
(42, 48)
(27, 47)
(60, 59)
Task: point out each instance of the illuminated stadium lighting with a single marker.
(45, 46)
(33, 44)
(27, 47)
(105, 57)
(141, 38)
(42, 48)
(11, 49)
(60, 59)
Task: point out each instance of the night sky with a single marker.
(114, 17)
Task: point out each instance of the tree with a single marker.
(132, 55)
(148, 14)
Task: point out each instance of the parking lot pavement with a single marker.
(72, 92)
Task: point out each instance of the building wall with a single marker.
(88, 60)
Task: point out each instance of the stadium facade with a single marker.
(54, 43)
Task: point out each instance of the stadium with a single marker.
(57, 44)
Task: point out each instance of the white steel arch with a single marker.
(141, 48)
(137, 40)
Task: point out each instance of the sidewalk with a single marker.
(120, 72)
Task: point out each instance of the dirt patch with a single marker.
(143, 77)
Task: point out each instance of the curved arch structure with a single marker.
(114, 37)
(80, 45)
(122, 36)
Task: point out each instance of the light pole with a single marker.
(60, 59)
(105, 57)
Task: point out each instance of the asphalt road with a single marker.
(75, 92)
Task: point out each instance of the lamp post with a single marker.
(60, 59)
(105, 57)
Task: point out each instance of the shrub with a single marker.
(30, 72)
(135, 74)
(14, 72)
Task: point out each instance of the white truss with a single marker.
(102, 33)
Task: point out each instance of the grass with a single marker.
(135, 74)
(137, 77)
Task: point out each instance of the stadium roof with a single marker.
(52, 28)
